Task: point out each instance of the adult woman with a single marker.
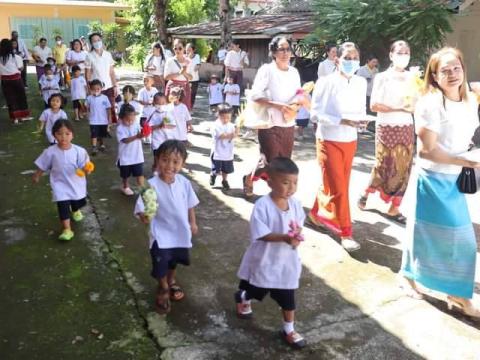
(275, 87)
(338, 106)
(194, 67)
(155, 64)
(440, 248)
(99, 65)
(12, 85)
(177, 73)
(394, 132)
(40, 54)
(77, 56)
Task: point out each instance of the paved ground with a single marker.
(92, 298)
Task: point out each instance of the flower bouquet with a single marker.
(146, 129)
(295, 231)
(86, 170)
(149, 197)
(417, 84)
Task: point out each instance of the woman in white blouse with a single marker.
(155, 65)
(76, 56)
(338, 107)
(177, 73)
(275, 87)
(440, 248)
(392, 99)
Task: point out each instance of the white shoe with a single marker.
(127, 191)
(28, 118)
(350, 245)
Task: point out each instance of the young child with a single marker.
(128, 94)
(182, 117)
(174, 223)
(215, 94)
(78, 89)
(162, 123)
(222, 152)
(145, 97)
(48, 84)
(99, 115)
(62, 161)
(53, 63)
(51, 115)
(303, 117)
(232, 94)
(271, 263)
(130, 153)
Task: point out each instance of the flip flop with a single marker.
(362, 202)
(162, 302)
(176, 292)
(399, 218)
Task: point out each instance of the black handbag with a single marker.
(467, 182)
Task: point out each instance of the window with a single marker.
(25, 31)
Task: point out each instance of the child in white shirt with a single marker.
(51, 115)
(99, 115)
(302, 120)
(182, 117)
(145, 97)
(128, 97)
(215, 93)
(173, 224)
(69, 189)
(232, 94)
(271, 263)
(130, 153)
(222, 151)
(78, 90)
(48, 84)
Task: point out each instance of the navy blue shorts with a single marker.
(98, 131)
(167, 259)
(302, 122)
(285, 298)
(221, 166)
(134, 170)
(78, 104)
(67, 206)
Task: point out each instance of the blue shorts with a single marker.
(98, 131)
(285, 298)
(222, 166)
(302, 122)
(134, 170)
(167, 259)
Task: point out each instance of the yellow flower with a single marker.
(89, 167)
(80, 172)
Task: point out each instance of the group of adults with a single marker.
(439, 242)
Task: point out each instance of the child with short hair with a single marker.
(183, 119)
(48, 84)
(162, 123)
(128, 97)
(223, 134)
(130, 153)
(215, 93)
(232, 94)
(99, 115)
(271, 263)
(173, 224)
(63, 160)
(145, 97)
(78, 90)
(51, 115)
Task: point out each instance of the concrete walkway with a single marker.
(93, 298)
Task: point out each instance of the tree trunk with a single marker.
(161, 21)
(225, 23)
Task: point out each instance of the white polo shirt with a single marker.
(232, 99)
(215, 94)
(44, 53)
(222, 148)
(181, 116)
(72, 55)
(99, 66)
(160, 135)
(97, 109)
(49, 118)
(131, 153)
(234, 59)
(78, 88)
(146, 96)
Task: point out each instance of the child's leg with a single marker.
(94, 141)
(64, 214)
(140, 181)
(125, 182)
(77, 114)
(285, 298)
(224, 176)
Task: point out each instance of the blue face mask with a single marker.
(349, 67)
(98, 44)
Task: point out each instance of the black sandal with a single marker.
(399, 218)
(362, 202)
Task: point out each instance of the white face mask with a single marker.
(49, 77)
(59, 42)
(349, 67)
(97, 93)
(98, 44)
(400, 60)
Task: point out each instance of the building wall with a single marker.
(466, 37)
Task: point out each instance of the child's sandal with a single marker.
(176, 292)
(162, 302)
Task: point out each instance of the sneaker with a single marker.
(66, 235)
(294, 339)
(212, 179)
(77, 216)
(244, 308)
(102, 148)
(127, 191)
(225, 185)
(94, 151)
(350, 245)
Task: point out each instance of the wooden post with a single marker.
(161, 21)
(225, 23)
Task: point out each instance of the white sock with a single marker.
(243, 297)
(288, 327)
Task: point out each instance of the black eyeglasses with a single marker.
(284, 49)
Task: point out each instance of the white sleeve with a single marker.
(227, 59)
(19, 62)
(83, 155)
(245, 59)
(88, 62)
(121, 133)
(44, 161)
(260, 83)
(378, 90)
(110, 60)
(192, 199)
(258, 222)
(428, 114)
(320, 109)
(168, 67)
(43, 116)
(188, 117)
(139, 206)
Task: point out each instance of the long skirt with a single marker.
(331, 207)
(274, 142)
(440, 247)
(185, 85)
(394, 157)
(110, 93)
(14, 93)
(159, 82)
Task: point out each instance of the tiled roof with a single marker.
(104, 4)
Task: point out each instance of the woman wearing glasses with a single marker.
(275, 87)
(177, 74)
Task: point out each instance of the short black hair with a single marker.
(76, 68)
(125, 110)
(157, 95)
(224, 108)
(92, 35)
(42, 39)
(62, 123)
(128, 88)
(60, 96)
(72, 44)
(47, 67)
(172, 146)
(282, 165)
(95, 82)
(329, 47)
(347, 46)
(52, 59)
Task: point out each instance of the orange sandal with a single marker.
(176, 292)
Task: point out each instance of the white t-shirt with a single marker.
(277, 85)
(49, 87)
(215, 94)
(97, 109)
(136, 105)
(78, 88)
(155, 61)
(222, 53)
(12, 66)
(146, 96)
(62, 164)
(181, 116)
(222, 148)
(49, 118)
(99, 66)
(173, 66)
(170, 227)
(160, 135)
(303, 112)
(232, 99)
(454, 124)
(192, 67)
(72, 55)
(44, 53)
(326, 67)
(131, 153)
(272, 265)
(234, 59)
